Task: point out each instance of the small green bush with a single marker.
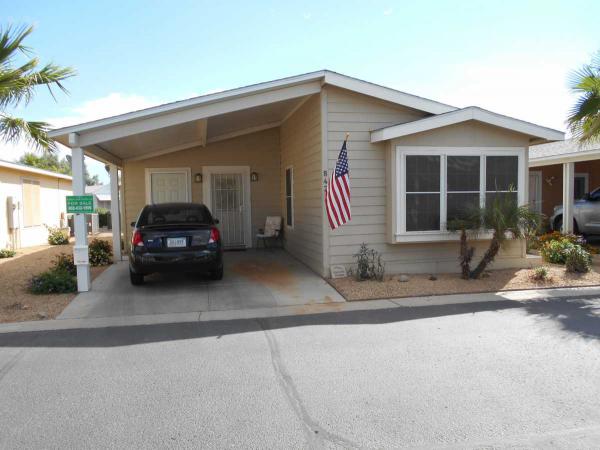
(100, 253)
(556, 251)
(578, 260)
(540, 273)
(369, 264)
(6, 253)
(53, 281)
(64, 262)
(56, 236)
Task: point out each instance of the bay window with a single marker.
(437, 185)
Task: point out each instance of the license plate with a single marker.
(176, 242)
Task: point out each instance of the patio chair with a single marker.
(272, 231)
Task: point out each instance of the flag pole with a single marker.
(347, 136)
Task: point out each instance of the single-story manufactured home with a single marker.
(30, 200)
(267, 149)
(560, 173)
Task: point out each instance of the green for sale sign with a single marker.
(80, 204)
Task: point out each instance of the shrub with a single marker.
(100, 253)
(6, 253)
(64, 262)
(56, 236)
(578, 260)
(555, 251)
(369, 264)
(557, 236)
(540, 274)
(53, 281)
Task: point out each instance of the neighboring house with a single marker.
(101, 193)
(547, 165)
(267, 149)
(29, 199)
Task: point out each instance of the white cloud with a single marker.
(306, 16)
(388, 12)
(109, 105)
(516, 85)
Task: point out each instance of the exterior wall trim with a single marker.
(324, 171)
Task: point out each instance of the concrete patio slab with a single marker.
(253, 279)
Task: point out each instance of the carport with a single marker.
(163, 154)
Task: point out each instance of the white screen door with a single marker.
(227, 192)
(168, 187)
(535, 191)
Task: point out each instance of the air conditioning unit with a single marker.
(12, 213)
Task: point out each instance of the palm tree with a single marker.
(584, 118)
(17, 87)
(504, 218)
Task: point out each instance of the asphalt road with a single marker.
(466, 376)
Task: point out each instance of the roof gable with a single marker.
(463, 115)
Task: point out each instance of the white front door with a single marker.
(165, 185)
(535, 191)
(226, 192)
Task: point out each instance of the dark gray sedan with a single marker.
(175, 237)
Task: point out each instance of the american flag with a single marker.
(337, 195)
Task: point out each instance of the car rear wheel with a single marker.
(217, 274)
(136, 278)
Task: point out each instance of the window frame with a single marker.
(37, 182)
(290, 195)
(399, 201)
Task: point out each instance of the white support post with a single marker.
(568, 196)
(81, 243)
(115, 217)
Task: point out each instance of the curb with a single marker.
(295, 310)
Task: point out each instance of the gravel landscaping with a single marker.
(451, 283)
(16, 303)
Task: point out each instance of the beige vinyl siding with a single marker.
(301, 149)
(370, 174)
(359, 115)
(258, 150)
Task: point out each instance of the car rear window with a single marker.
(171, 215)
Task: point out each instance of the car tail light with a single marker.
(136, 239)
(215, 236)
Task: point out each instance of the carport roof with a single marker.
(208, 118)
(562, 152)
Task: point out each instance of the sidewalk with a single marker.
(280, 311)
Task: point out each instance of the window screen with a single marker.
(502, 175)
(462, 174)
(422, 192)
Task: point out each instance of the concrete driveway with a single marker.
(253, 279)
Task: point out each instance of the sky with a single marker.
(513, 57)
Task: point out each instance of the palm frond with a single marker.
(18, 85)
(584, 118)
(11, 42)
(13, 129)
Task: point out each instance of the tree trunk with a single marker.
(466, 254)
(488, 257)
